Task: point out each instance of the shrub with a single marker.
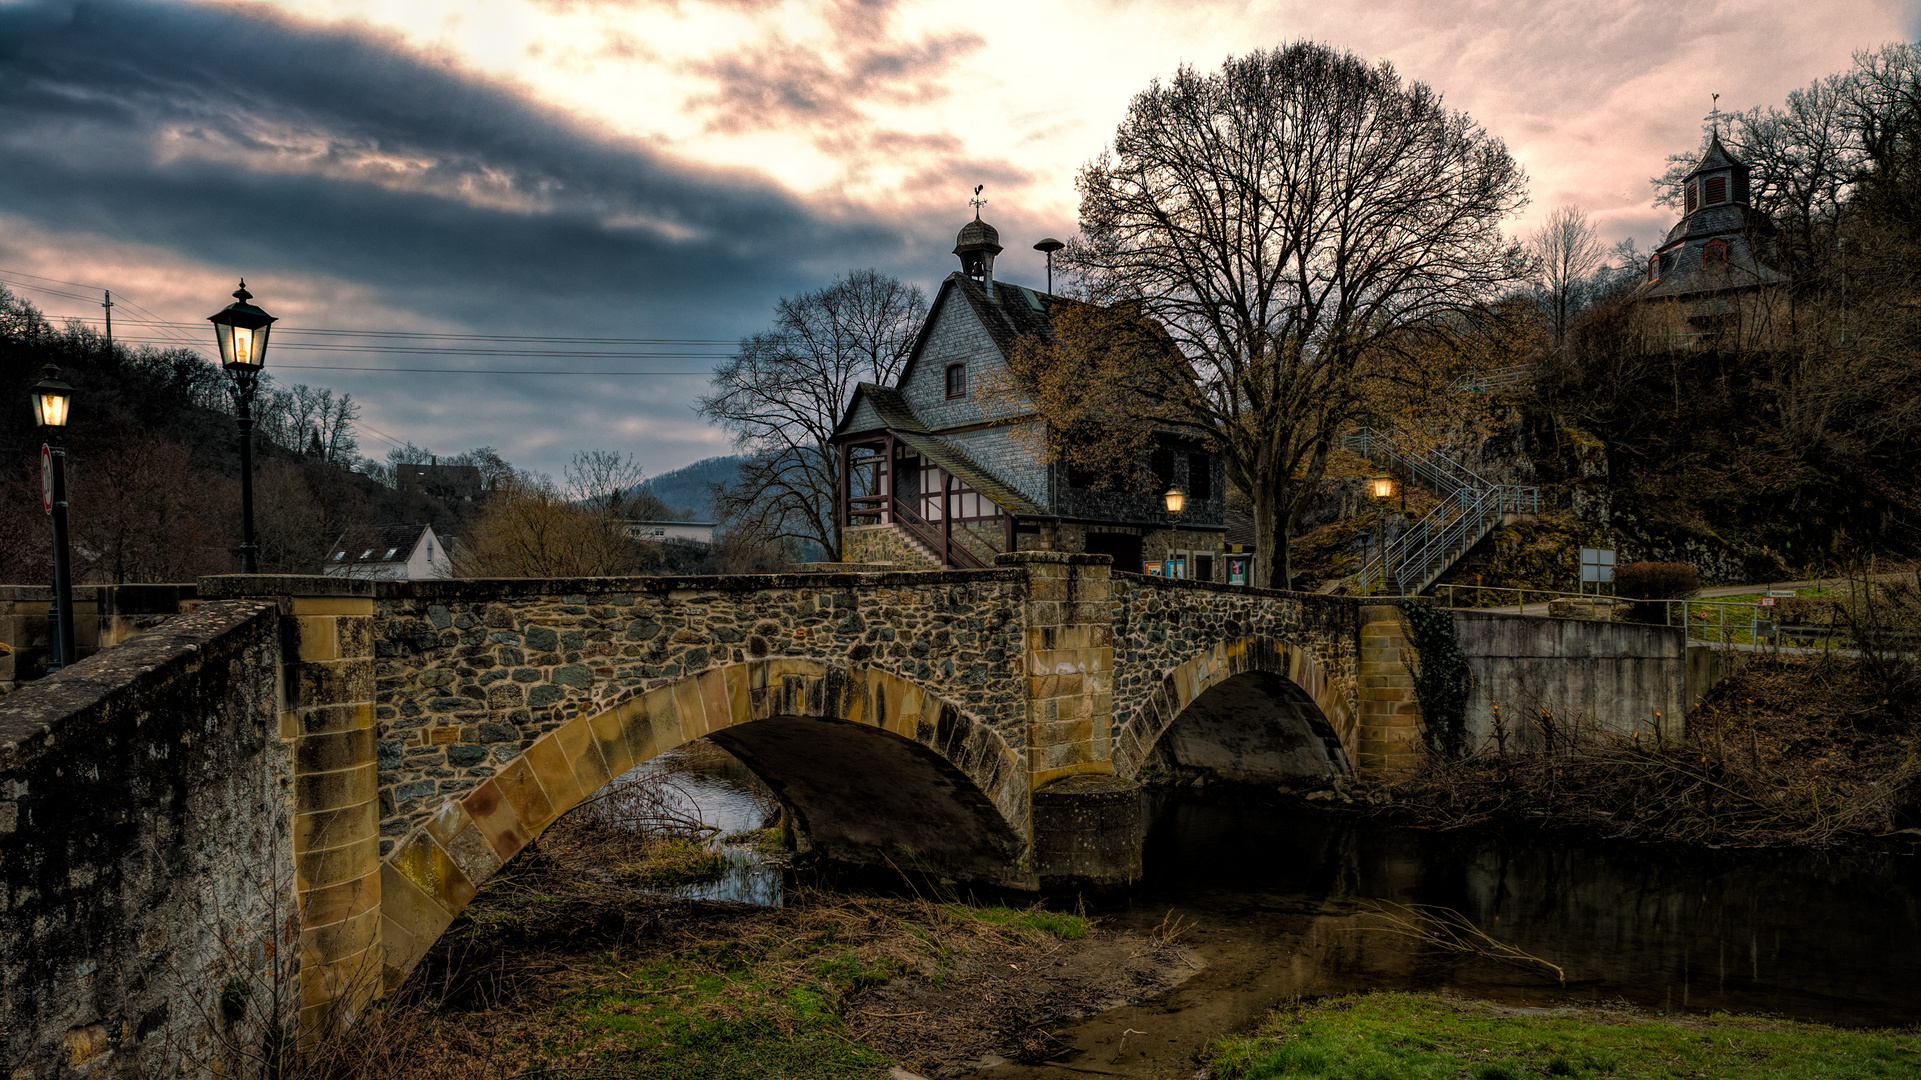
(1656, 580)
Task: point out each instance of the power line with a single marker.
(476, 371)
(556, 339)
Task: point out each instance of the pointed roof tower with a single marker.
(1718, 179)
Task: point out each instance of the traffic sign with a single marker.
(46, 478)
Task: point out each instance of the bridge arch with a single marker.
(1250, 708)
(954, 776)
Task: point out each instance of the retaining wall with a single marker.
(1615, 677)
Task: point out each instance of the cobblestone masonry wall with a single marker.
(884, 544)
(144, 833)
(1172, 639)
(470, 674)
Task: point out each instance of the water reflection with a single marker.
(712, 785)
(1828, 936)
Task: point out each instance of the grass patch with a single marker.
(1054, 923)
(1397, 1036)
(673, 861)
(763, 841)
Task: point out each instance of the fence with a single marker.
(1719, 622)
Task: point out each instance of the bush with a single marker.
(1656, 580)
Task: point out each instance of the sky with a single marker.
(663, 171)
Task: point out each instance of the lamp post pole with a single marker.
(244, 386)
(241, 331)
(50, 400)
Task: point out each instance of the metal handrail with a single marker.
(1492, 379)
(1470, 508)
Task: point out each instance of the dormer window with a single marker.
(1694, 197)
(366, 553)
(1714, 253)
(957, 380)
(1717, 189)
(390, 553)
(1654, 267)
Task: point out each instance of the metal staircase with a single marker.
(1470, 508)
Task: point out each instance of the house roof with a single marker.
(888, 402)
(1717, 157)
(383, 543)
(970, 472)
(1240, 529)
(1015, 310)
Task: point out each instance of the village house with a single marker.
(389, 553)
(938, 472)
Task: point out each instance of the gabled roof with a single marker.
(888, 402)
(1016, 310)
(948, 457)
(377, 539)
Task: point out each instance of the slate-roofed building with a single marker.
(389, 552)
(938, 472)
(1712, 278)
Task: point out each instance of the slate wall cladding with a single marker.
(144, 816)
(956, 336)
(468, 674)
(1011, 453)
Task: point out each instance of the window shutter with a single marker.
(1717, 189)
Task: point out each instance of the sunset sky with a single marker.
(667, 169)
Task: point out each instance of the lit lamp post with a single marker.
(51, 397)
(241, 329)
(1176, 501)
(1382, 488)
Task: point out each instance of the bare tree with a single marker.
(605, 482)
(530, 527)
(1567, 253)
(1280, 218)
(781, 393)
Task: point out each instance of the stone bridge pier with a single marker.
(401, 742)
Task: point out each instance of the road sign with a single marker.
(1767, 601)
(46, 478)
(1597, 565)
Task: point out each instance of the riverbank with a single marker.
(567, 964)
(1421, 1036)
(1788, 752)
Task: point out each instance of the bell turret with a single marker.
(977, 243)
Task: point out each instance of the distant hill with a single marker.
(686, 488)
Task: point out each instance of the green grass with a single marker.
(764, 841)
(675, 862)
(705, 1019)
(1065, 927)
(1395, 1036)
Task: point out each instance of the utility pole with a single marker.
(107, 304)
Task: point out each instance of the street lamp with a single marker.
(1176, 502)
(51, 401)
(1382, 488)
(241, 331)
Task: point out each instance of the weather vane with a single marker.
(1714, 116)
(977, 202)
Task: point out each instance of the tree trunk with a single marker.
(1270, 542)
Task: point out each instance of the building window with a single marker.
(339, 555)
(1694, 197)
(1714, 253)
(1654, 267)
(391, 552)
(1162, 464)
(367, 553)
(1200, 476)
(1203, 567)
(1717, 189)
(957, 380)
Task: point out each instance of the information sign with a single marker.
(1597, 565)
(46, 478)
(1154, 568)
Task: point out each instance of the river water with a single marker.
(1274, 898)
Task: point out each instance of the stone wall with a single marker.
(144, 830)
(1612, 677)
(469, 674)
(1161, 624)
(885, 544)
(103, 615)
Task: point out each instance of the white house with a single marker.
(391, 552)
(691, 532)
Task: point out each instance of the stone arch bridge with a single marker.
(370, 753)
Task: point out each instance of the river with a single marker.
(1274, 898)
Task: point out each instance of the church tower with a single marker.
(1713, 274)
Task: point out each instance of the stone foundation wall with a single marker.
(470, 674)
(1612, 677)
(145, 821)
(884, 544)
